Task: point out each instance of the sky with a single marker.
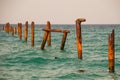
(60, 11)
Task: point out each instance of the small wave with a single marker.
(27, 60)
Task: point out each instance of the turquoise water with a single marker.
(20, 61)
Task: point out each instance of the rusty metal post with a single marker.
(26, 31)
(7, 27)
(49, 33)
(63, 40)
(79, 36)
(20, 30)
(32, 34)
(111, 52)
(44, 40)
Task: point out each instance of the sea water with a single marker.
(20, 61)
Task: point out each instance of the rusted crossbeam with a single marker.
(56, 30)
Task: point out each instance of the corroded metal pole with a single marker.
(32, 34)
(63, 40)
(111, 52)
(56, 30)
(44, 40)
(7, 27)
(49, 33)
(26, 31)
(79, 36)
(20, 30)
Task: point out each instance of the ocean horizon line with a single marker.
(63, 24)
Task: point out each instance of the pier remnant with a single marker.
(7, 27)
(111, 52)
(32, 34)
(26, 31)
(79, 36)
(20, 30)
(47, 36)
(44, 39)
(48, 26)
(12, 30)
(63, 40)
